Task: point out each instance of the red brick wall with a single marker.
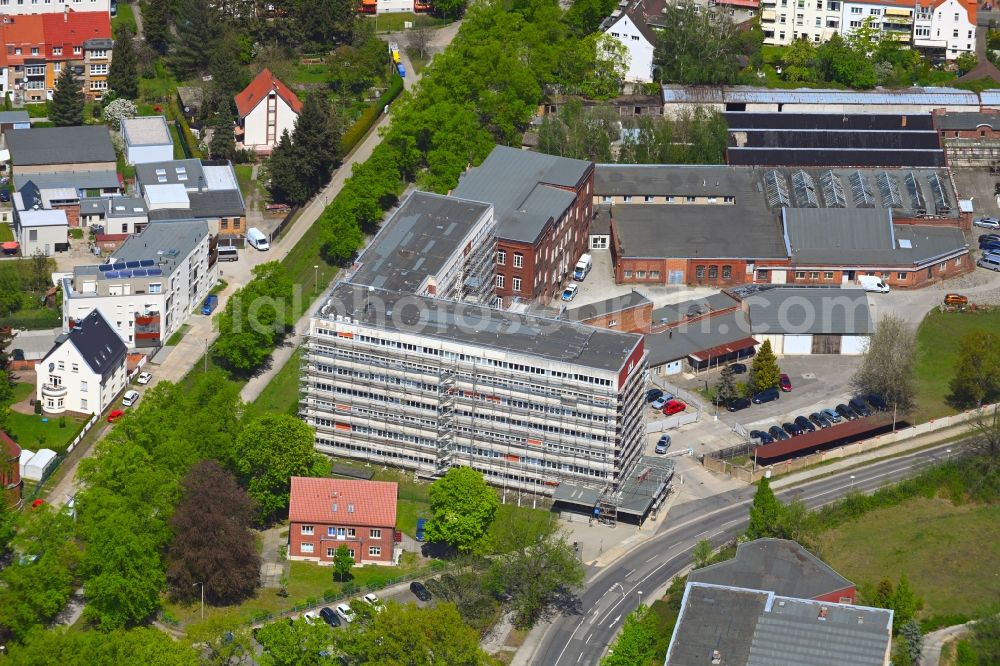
(837, 596)
(911, 277)
(689, 267)
(638, 319)
(360, 542)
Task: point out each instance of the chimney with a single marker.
(904, 121)
(716, 657)
(822, 613)
(66, 14)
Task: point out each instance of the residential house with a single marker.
(114, 215)
(151, 284)
(85, 369)
(11, 484)
(892, 18)
(945, 29)
(81, 159)
(81, 40)
(970, 139)
(193, 190)
(39, 227)
(266, 108)
(22, 7)
(324, 514)
(147, 139)
(630, 29)
(394, 6)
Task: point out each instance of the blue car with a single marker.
(420, 528)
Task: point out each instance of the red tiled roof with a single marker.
(10, 447)
(357, 502)
(70, 29)
(248, 99)
(22, 32)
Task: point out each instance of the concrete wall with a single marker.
(46, 238)
(147, 154)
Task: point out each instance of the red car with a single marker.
(786, 383)
(115, 415)
(674, 407)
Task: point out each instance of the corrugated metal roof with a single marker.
(753, 95)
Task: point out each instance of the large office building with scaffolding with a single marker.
(408, 365)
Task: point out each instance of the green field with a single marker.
(124, 19)
(948, 552)
(394, 22)
(6, 233)
(281, 395)
(937, 347)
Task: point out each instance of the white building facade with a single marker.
(147, 139)
(41, 231)
(640, 42)
(266, 108)
(784, 21)
(945, 29)
(19, 7)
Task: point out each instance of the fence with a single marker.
(285, 222)
(83, 431)
(675, 421)
(754, 474)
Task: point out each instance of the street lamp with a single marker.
(948, 451)
(202, 598)
(640, 597)
(852, 482)
(206, 355)
(316, 276)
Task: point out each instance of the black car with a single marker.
(792, 429)
(653, 394)
(767, 395)
(329, 616)
(778, 434)
(820, 420)
(740, 368)
(805, 424)
(989, 238)
(736, 404)
(877, 403)
(5, 195)
(860, 406)
(420, 591)
(761, 436)
(846, 412)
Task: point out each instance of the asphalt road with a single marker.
(615, 591)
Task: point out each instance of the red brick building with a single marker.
(10, 471)
(325, 514)
(543, 207)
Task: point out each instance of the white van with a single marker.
(257, 239)
(873, 283)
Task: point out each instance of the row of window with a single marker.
(307, 547)
(669, 198)
(309, 530)
(502, 259)
(366, 451)
(515, 283)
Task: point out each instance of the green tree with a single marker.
(123, 76)
(977, 370)
(914, 640)
(585, 16)
(462, 508)
(610, 64)
(229, 73)
(285, 168)
(84, 648)
(800, 60)
(450, 8)
(883, 594)
(887, 366)
(297, 643)
(67, 103)
(636, 645)
(341, 234)
(223, 144)
(316, 145)
(197, 30)
(725, 389)
(765, 512)
(699, 47)
(904, 603)
(321, 26)
(764, 372)
(702, 553)
(984, 644)
(156, 24)
(8, 517)
(255, 318)
(343, 562)
(270, 450)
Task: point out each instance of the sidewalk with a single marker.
(930, 653)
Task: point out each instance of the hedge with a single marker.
(370, 116)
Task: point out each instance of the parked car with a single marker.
(663, 444)
(130, 398)
(5, 195)
(374, 602)
(846, 412)
(989, 246)
(860, 406)
(736, 404)
(345, 612)
(674, 407)
(778, 434)
(989, 237)
(211, 302)
(144, 378)
(792, 429)
(738, 368)
(420, 591)
(421, 524)
(877, 403)
(767, 395)
(987, 222)
(115, 415)
(660, 402)
(329, 616)
(570, 293)
(785, 382)
(820, 420)
(991, 262)
(311, 617)
(761, 436)
(805, 424)
(831, 414)
(653, 394)
(956, 299)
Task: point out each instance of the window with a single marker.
(654, 275)
(75, 367)
(856, 10)
(306, 547)
(56, 50)
(376, 534)
(224, 223)
(500, 281)
(729, 200)
(98, 85)
(83, 386)
(307, 530)
(517, 284)
(55, 380)
(77, 50)
(62, 365)
(351, 532)
(900, 276)
(612, 322)
(699, 273)
(99, 69)
(605, 199)
(648, 199)
(34, 50)
(518, 260)
(828, 275)
(727, 272)
(501, 258)
(800, 275)
(374, 551)
(819, 22)
(97, 53)
(814, 275)
(330, 552)
(875, 12)
(884, 276)
(855, 24)
(689, 199)
(83, 404)
(628, 274)
(713, 272)
(57, 67)
(155, 287)
(627, 199)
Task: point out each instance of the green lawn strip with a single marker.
(124, 19)
(33, 319)
(949, 553)
(244, 175)
(938, 341)
(281, 395)
(6, 233)
(395, 22)
(175, 339)
(31, 432)
(176, 139)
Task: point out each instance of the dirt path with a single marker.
(984, 68)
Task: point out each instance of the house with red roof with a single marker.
(325, 514)
(266, 108)
(11, 484)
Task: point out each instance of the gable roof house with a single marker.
(629, 27)
(325, 514)
(147, 139)
(80, 158)
(266, 108)
(85, 369)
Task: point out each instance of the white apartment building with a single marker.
(266, 109)
(784, 21)
(85, 369)
(893, 18)
(19, 7)
(150, 286)
(945, 28)
(630, 29)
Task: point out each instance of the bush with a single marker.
(38, 406)
(370, 116)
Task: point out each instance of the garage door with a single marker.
(798, 344)
(675, 277)
(826, 344)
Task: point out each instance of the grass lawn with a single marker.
(124, 19)
(6, 233)
(418, 61)
(317, 74)
(157, 89)
(394, 22)
(300, 262)
(176, 139)
(175, 339)
(33, 319)
(31, 432)
(281, 395)
(937, 346)
(948, 552)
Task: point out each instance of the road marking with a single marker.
(587, 642)
(649, 560)
(579, 658)
(613, 623)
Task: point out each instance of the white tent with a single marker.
(39, 463)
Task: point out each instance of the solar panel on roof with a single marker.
(805, 190)
(913, 189)
(940, 197)
(889, 190)
(776, 189)
(147, 262)
(132, 264)
(120, 265)
(138, 272)
(104, 268)
(833, 190)
(111, 274)
(153, 272)
(863, 196)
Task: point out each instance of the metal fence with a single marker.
(285, 221)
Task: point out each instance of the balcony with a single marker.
(53, 398)
(53, 391)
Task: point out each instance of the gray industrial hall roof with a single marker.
(779, 565)
(865, 237)
(168, 243)
(417, 241)
(483, 327)
(750, 627)
(697, 231)
(674, 179)
(810, 311)
(60, 145)
(81, 180)
(968, 121)
(697, 307)
(709, 333)
(607, 306)
(755, 95)
(519, 184)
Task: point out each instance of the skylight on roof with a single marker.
(161, 172)
(905, 243)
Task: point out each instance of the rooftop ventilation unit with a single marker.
(805, 190)
(913, 190)
(940, 197)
